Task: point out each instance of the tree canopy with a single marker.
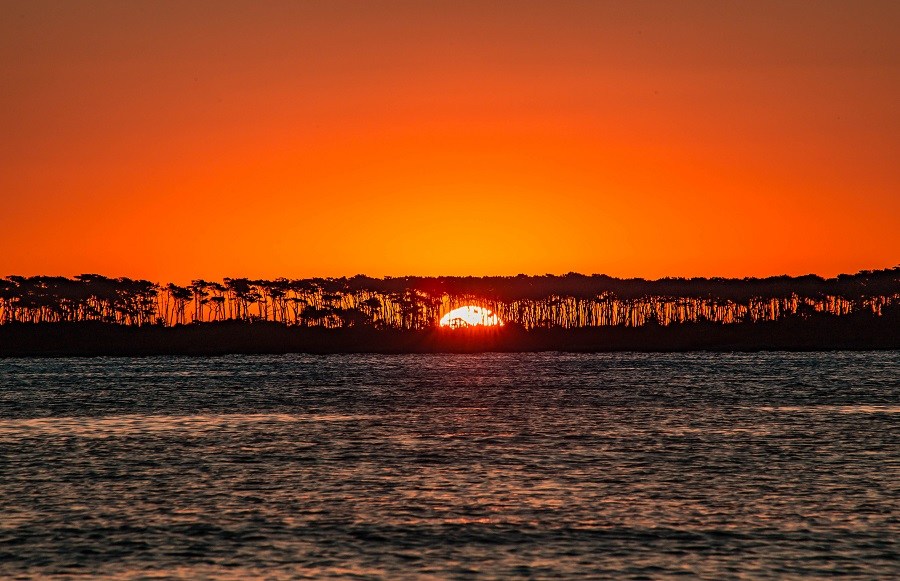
(569, 301)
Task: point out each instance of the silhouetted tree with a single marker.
(569, 301)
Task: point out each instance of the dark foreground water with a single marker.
(452, 466)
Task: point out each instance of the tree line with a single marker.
(567, 301)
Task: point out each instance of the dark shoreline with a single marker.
(851, 333)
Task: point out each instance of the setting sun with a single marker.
(398, 289)
(469, 316)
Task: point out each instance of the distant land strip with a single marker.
(95, 315)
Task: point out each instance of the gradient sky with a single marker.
(170, 141)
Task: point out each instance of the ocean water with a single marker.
(631, 466)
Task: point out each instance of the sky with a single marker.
(173, 141)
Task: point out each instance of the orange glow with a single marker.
(172, 142)
(470, 316)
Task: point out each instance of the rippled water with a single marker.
(496, 465)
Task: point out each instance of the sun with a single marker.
(470, 316)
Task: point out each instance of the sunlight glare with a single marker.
(469, 316)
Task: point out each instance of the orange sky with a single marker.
(331, 138)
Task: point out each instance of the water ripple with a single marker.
(633, 466)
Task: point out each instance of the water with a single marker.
(452, 466)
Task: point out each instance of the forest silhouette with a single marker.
(94, 314)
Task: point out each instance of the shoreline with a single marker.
(846, 333)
